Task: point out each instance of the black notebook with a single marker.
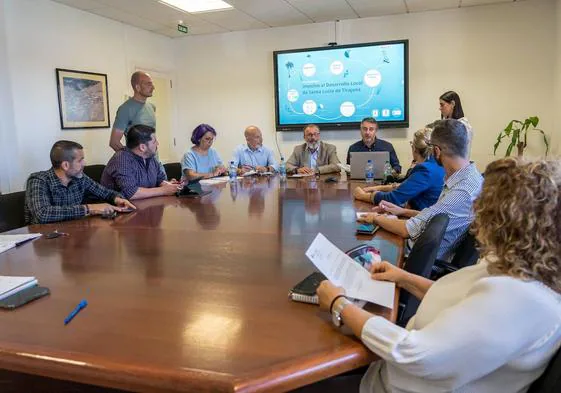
(305, 290)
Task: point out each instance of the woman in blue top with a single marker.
(201, 160)
(423, 185)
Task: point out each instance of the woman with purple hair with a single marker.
(201, 160)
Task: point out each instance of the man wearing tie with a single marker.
(313, 157)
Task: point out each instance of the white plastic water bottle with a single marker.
(282, 169)
(233, 172)
(369, 172)
(387, 171)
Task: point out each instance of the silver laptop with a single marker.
(359, 160)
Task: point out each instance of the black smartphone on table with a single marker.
(366, 229)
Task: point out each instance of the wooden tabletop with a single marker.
(188, 295)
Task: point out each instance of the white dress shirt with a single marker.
(473, 333)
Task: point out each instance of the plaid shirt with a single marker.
(126, 172)
(47, 200)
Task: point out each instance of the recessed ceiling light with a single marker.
(193, 6)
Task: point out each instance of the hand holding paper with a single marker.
(343, 271)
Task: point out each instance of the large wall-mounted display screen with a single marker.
(338, 86)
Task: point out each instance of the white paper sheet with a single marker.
(343, 271)
(302, 175)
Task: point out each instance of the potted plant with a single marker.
(517, 131)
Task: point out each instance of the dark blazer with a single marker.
(327, 160)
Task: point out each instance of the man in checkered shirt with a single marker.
(462, 184)
(57, 194)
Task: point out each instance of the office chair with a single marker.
(420, 262)
(94, 171)
(466, 255)
(173, 170)
(550, 380)
(12, 211)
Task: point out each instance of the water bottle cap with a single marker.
(231, 162)
(369, 161)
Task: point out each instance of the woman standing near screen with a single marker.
(451, 108)
(202, 160)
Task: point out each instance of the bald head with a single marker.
(253, 137)
(142, 85)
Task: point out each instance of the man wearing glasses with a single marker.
(369, 142)
(462, 184)
(313, 157)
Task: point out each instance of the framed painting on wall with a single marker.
(83, 101)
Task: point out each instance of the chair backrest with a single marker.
(94, 171)
(550, 380)
(466, 253)
(173, 170)
(421, 259)
(12, 214)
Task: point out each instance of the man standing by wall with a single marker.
(135, 110)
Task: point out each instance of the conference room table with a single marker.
(186, 295)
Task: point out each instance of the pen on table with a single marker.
(79, 307)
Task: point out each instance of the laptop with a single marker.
(359, 160)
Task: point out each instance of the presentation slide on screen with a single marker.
(341, 84)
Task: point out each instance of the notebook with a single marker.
(305, 290)
(10, 241)
(10, 285)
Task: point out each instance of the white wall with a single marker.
(42, 35)
(500, 58)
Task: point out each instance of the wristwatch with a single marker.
(338, 307)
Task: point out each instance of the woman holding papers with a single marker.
(202, 160)
(422, 186)
(492, 327)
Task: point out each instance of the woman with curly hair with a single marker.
(492, 327)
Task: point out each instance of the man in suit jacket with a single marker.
(313, 157)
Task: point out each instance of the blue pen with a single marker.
(80, 306)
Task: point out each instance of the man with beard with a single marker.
(369, 142)
(313, 157)
(135, 171)
(462, 184)
(57, 194)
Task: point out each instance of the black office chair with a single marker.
(12, 211)
(466, 255)
(420, 262)
(173, 170)
(94, 171)
(550, 380)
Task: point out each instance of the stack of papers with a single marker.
(214, 180)
(10, 241)
(10, 285)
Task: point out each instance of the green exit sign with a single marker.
(182, 29)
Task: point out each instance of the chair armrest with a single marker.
(441, 268)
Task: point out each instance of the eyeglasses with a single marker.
(433, 145)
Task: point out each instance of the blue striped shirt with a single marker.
(456, 200)
(262, 156)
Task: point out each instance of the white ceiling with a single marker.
(256, 14)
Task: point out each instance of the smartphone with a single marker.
(23, 297)
(366, 229)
